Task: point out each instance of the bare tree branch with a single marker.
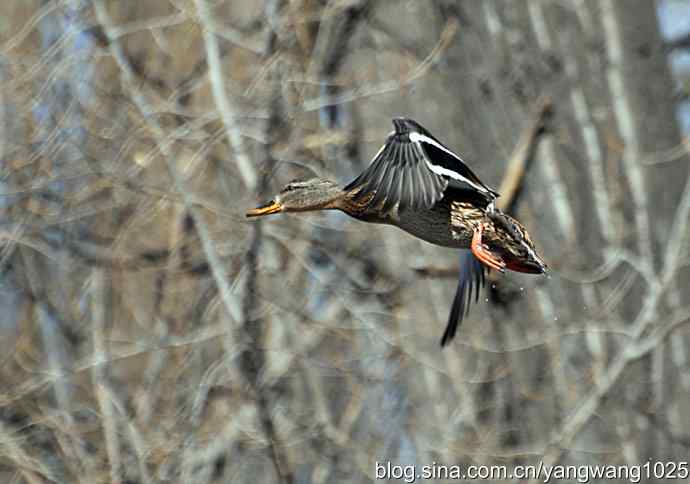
(244, 164)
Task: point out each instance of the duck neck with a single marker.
(326, 198)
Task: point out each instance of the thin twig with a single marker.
(244, 164)
(100, 308)
(521, 155)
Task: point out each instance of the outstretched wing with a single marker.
(412, 170)
(471, 279)
(399, 175)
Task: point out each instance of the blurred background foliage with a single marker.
(150, 333)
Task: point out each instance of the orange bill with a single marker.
(269, 208)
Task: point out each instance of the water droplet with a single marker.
(555, 318)
(522, 289)
(486, 299)
(493, 286)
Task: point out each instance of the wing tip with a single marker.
(472, 277)
(449, 333)
(404, 125)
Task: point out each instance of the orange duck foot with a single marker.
(483, 253)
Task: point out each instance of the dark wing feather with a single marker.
(407, 192)
(399, 175)
(388, 192)
(413, 170)
(445, 158)
(471, 279)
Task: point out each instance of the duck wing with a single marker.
(472, 279)
(412, 171)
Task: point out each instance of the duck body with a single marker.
(448, 223)
(419, 185)
(452, 223)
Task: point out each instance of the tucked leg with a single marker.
(482, 253)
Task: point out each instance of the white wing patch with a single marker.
(418, 138)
